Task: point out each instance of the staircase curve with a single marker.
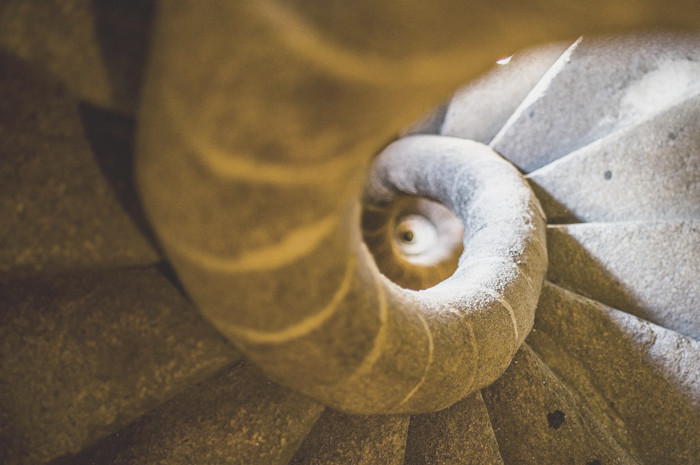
(548, 315)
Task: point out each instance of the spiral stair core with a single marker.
(104, 360)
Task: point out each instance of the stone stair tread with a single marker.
(537, 419)
(459, 435)
(235, 417)
(639, 173)
(337, 438)
(60, 210)
(97, 50)
(81, 355)
(643, 378)
(479, 110)
(650, 270)
(584, 101)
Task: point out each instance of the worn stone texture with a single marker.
(554, 120)
(340, 439)
(459, 435)
(537, 419)
(644, 172)
(479, 110)
(603, 261)
(66, 197)
(236, 417)
(81, 355)
(640, 379)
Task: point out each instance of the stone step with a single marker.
(642, 378)
(236, 417)
(639, 173)
(459, 435)
(337, 438)
(538, 420)
(96, 49)
(650, 270)
(82, 355)
(66, 196)
(601, 85)
(479, 110)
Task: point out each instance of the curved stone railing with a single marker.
(262, 221)
(295, 288)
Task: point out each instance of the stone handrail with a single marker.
(258, 205)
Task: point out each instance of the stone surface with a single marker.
(647, 269)
(341, 439)
(210, 169)
(639, 378)
(237, 417)
(81, 355)
(60, 208)
(388, 76)
(538, 420)
(96, 49)
(645, 172)
(459, 435)
(479, 110)
(585, 101)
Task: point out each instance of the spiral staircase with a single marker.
(104, 360)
